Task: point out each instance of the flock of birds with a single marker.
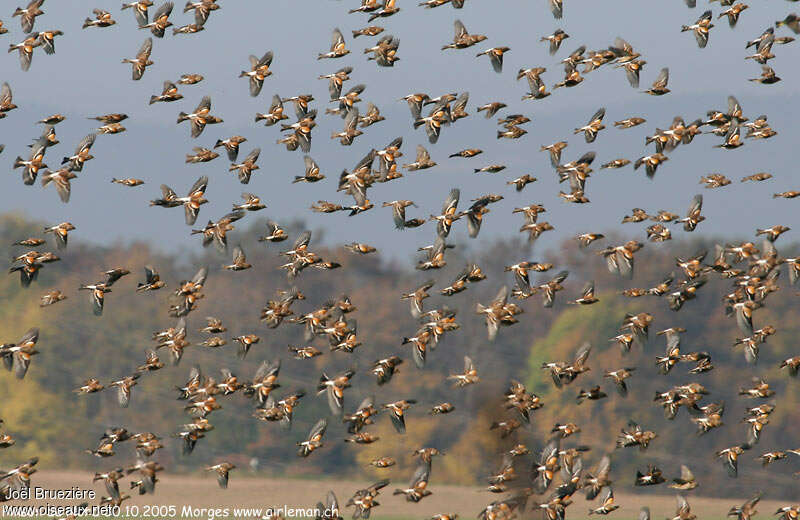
(545, 481)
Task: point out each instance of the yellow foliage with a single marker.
(32, 419)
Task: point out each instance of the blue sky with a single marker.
(85, 78)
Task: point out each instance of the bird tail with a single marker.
(685, 28)
(321, 387)
(183, 116)
(87, 23)
(153, 99)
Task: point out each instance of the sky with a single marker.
(86, 78)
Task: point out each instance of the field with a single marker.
(257, 492)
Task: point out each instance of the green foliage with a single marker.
(573, 327)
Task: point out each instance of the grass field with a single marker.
(247, 491)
